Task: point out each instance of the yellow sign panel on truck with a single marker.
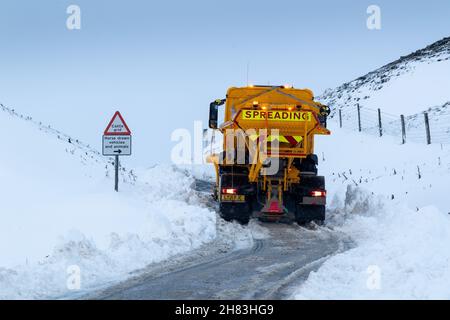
(291, 116)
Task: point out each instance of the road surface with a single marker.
(278, 259)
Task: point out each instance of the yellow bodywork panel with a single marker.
(269, 114)
(293, 112)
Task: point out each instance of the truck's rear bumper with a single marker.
(285, 217)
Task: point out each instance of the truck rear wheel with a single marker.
(310, 209)
(238, 212)
(310, 213)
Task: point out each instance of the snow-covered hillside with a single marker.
(411, 86)
(59, 209)
(406, 86)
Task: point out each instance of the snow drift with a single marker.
(392, 200)
(59, 210)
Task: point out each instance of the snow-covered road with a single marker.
(268, 262)
(269, 269)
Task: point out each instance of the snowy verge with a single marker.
(160, 218)
(62, 221)
(399, 253)
(392, 201)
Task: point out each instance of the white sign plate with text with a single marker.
(116, 145)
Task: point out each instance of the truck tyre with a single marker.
(244, 220)
(306, 213)
(309, 213)
(240, 213)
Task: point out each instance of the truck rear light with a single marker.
(318, 193)
(229, 190)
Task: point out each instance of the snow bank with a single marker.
(400, 253)
(59, 210)
(401, 227)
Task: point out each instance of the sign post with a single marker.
(116, 175)
(117, 142)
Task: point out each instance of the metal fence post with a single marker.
(380, 127)
(116, 174)
(427, 127)
(359, 117)
(340, 118)
(402, 119)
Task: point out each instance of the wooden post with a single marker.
(380, 127)
(427, 128)
(359, 117)
(340, 118)
(402, 119)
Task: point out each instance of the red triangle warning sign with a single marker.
(117, 126)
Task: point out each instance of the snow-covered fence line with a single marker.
(86, 153)
(430, 126)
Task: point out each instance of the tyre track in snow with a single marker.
(279, 259)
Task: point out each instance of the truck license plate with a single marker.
(233, 198)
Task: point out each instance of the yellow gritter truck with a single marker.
(268, 168)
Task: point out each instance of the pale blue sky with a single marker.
(161, 63)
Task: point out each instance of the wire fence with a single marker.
(428, 127)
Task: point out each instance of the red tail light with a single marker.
(318, 193)
(229, 190)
